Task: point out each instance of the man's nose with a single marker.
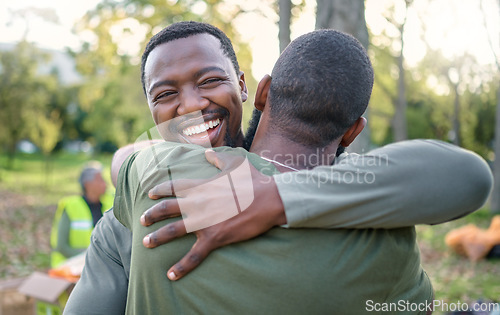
(192, 101)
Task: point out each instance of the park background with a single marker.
(70, 92)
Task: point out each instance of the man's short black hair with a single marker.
(183, 30)
(321, 84)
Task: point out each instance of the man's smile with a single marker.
(206, 130)
(193, 130)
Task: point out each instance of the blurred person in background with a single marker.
(76, 216)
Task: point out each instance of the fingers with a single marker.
(223, 161)
(165, 209)
(164, 189)
(193, 259)
(173, 188)
(212, 158)
(238, 228)
(165, 234)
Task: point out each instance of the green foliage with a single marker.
(46, 132)
(23, 93)
(419, 121)
(482, 133)
(381, 107)
(113, 108)
(109, 109)
(430, 95)
(430, 115)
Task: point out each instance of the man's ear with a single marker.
(353, 132)
(262, 91)
(243, 87)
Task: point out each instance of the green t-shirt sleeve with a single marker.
(401, 184)
(102, 287)
(126, 190)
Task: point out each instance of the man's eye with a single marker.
(211, 81)
(164, 95)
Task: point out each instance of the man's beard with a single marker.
(340, 150)
(252, 129)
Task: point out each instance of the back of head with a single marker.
(321, 84)
(183, 30)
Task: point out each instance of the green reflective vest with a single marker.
(81, 224)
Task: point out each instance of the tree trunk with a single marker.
(285, 16)
(347, 16)
(344, 15)
(456, 121)
(400, 128)
(11, 154)
(495, 196)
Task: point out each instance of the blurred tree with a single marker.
(285, 17)
(113, 107)
(347, 16)
(432, 96)
(421, 100)
(456, 76)
(45, 129)
(344, 15)
(495, 196)
(480, 136)
(23, 94)
(287, 11)
(398, 18)
(384, 91)
(32, 100)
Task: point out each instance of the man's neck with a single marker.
(92, 198)
(283, 151)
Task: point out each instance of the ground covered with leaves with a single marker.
(24, 231)
(455, 278)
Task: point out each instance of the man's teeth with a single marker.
(201, 127)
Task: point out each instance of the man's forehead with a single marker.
(201, 43)
(196, 47)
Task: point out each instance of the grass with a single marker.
(29, 193)
(28, 198)
(48, 181)
(454, 277)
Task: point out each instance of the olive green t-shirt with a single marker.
(283, 271)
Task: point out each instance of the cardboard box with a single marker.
(51, 294)
(11, 301)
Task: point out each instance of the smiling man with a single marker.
(210, 88)
(179, 82)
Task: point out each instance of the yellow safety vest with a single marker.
(81, 224)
